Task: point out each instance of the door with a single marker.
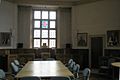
(96, 51)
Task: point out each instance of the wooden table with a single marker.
(44, 69)
(117, 64)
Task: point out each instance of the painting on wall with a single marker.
(113, 38)
(5, 39)
(82, 39)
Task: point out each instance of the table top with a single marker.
(116, 64)
(44, 69)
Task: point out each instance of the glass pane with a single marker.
(44, 33)
(52, 15)
(45, 41)
(44, 24)
(36, 33)
(52, 24)
(37, 14)
(52, 34)
(52, 43)
(36, 42)
(44, 14)
(36, 24)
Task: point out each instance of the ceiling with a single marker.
(52, 2)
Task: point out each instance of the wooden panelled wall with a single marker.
(80, 56)
(24, 55)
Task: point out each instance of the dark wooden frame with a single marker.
(113, 38)
(5, 39)
(82, 39)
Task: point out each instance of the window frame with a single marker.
(33, 28)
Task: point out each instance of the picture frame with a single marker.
(5, 39)
(113, 38)
(82, 39)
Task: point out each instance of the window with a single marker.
(44, 28)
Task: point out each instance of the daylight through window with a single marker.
(44, 28)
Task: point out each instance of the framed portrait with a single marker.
(113, 38)
(82, 39)
(5, 39)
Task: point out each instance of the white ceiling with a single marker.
(52, 2)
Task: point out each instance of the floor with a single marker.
(99, 77)
(96, 75)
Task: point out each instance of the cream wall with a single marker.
(25, 26)
(95, 18)
(8, 20)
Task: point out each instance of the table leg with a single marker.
(119, 73)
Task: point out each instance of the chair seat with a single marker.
(104, 67)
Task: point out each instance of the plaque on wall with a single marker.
(113, 38)
(5, 39)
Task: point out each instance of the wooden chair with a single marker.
(86, 74)
(76, 70)
(2, 75)
(15, 68)
(18, 63)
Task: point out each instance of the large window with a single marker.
(44, 28)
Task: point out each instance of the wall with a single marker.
(25, 28)
(8, 20)
(95, 18)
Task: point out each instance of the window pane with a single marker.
(45, 41)
(52, 43)
(52, 24)
(44, 24)
(37, 14)
(36, 42)
(36, 33)
(52, 15)
(44, 33)
(36, 24)
(52, 34)
(44, 14)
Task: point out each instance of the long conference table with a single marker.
(44, 69)
(117, 64)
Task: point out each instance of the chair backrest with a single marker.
(2, 74)
(60, 78)
(50, 59)
(72, 65)
(16, 62)
(70, 61)
(76, 68)
(111, 60)
(103, 61)
(38, 59)
(15, 68)
(30, 78)
(86, 74)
